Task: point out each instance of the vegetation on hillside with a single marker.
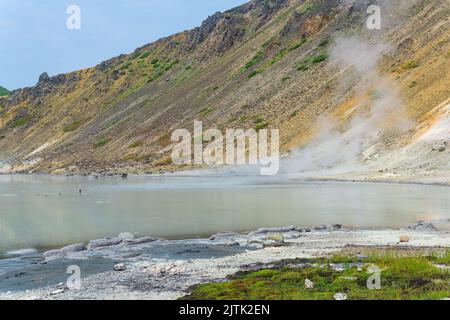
(3, 92)
(268, 58)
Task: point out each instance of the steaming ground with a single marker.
(371, 140)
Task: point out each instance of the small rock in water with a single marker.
(60, 253)
(309, 284)
(223, 235)
(423, 226)
(404, 239)
(126, 236)
(231, 244)
(340, 296)
(277, 237)
(330, 227)
(57, 292)
(107, 242)
(120, 267)
(141, 240)
(274, 230)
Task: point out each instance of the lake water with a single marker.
(49, 211)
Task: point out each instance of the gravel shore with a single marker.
(147, 268)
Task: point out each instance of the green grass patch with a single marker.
(302, 67)
(19, 122)
(440, 258)
(73, 126)
(310, 60)
(126, 66)
(298, 44)
(260, 123)
(422, 5)
(4, 92)
(101, 142)
(402, 278)
(284, 79)
(135, 144)
(112, 123)
(258, 119)
(159, 68)
(407, 65)
(305, 8)
(126, 93)
(205, 112)
(267, 43)
(258, 57)
(145, 55)
(319, 58)
(324, 42)
(279, 56)
(410, 65)
(134, 55)
(254, 73)
(294, 114)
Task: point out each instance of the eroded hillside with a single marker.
(270, 63)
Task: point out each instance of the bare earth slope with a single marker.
(269, 63)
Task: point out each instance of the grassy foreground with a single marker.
(414, 277)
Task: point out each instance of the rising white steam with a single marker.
(342, 146)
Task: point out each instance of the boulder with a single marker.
(274, 230)
(43, 78)
(441, 147)
(404, 239)
(276, 237)
(106, 242)
(57, 292)
(61, 253)
(120, 267)
(232, 244)
(329, 227)
(423, 226)
(126, 236)
(142, 240)
(340, 296)
(223, 235)
(309, 284)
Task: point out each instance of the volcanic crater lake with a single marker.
(43, 211)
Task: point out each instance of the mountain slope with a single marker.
(3, 92)
(273, 63)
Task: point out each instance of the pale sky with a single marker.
(34, 37)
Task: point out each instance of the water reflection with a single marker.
(48, 211)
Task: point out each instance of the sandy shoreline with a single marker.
(165, 269)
